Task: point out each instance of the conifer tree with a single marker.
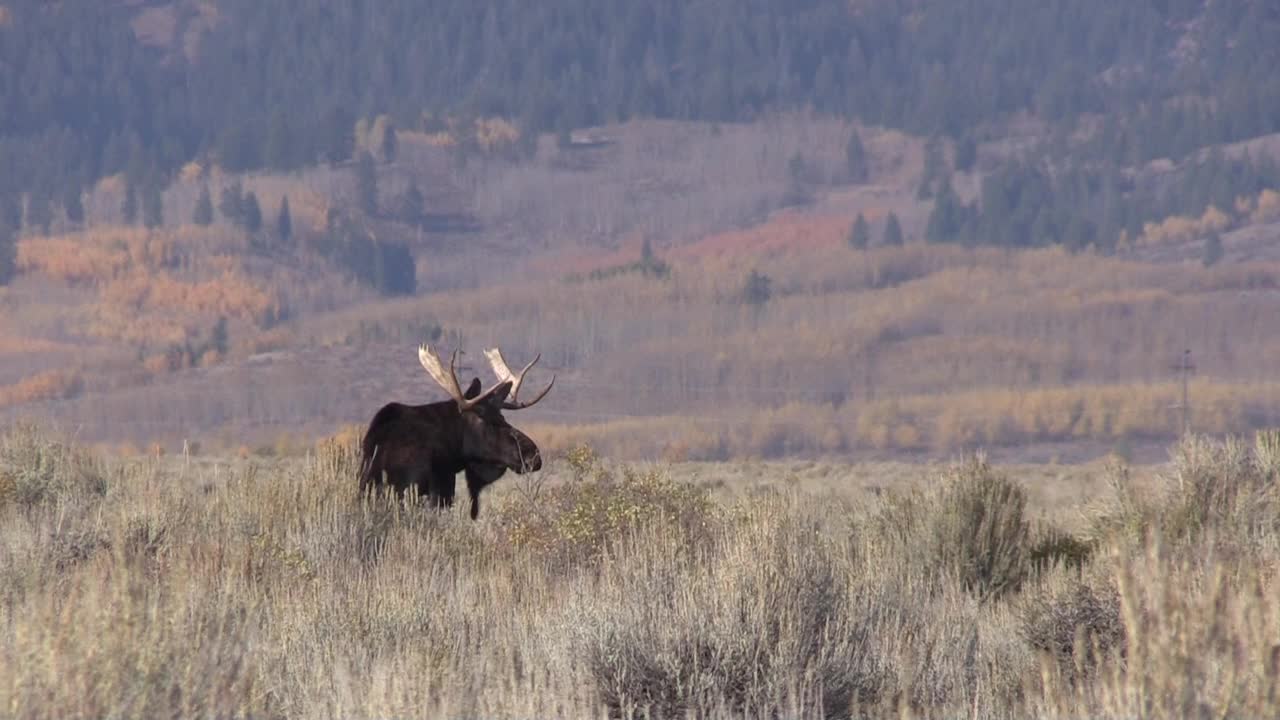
(892, 231)
(367, 183)
(129, 208)
(73, 205)
(231, 204)
(39, 210)
(252, 213)
(860, 233)
(152, 206)
(278, 153)
(758, 289)
(8, 253)
(203, 213)
(10, 211)
(412, 206)
(856, 158)
(1212, 250)
(284, 222)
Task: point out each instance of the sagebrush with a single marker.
(180, 588)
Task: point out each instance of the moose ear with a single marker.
(499, 395)
(472, 390)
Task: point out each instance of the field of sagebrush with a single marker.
(184, 588)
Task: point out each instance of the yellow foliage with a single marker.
(65, 260)
(191, 172)
(1268, 208)
(346, 436)
(284, 445)
(1178, 228)
(270, 340)
(112, 184)
(1214, 220)
(1006, 417)
(435, 139)
(495, 133)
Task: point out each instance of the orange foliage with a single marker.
(95, 257)
(231, 295)
(48, 385)
(15, 345)
(787, 231)
(157, 364)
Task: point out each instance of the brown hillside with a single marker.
(919, 349)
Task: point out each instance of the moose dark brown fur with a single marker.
(425, 446)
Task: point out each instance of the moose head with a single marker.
(486, 436)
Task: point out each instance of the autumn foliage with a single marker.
(94, 258)
(154, 287)
(47, 385)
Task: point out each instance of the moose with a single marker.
(425, 446)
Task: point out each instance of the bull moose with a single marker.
(425, 446)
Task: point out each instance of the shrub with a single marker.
(597, 511)
(36, 469)
(757, 625)
(971, 529)
(1053, 547)
(1221, 487)
(1076, 622)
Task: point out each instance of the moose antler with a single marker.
(448, 379)
(504, 374)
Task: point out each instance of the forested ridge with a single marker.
(85, 96)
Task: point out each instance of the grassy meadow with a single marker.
(249, 587)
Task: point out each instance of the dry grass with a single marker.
(185, 588)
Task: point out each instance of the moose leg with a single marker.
(375, 482)
(439, 487)
(479, 476)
